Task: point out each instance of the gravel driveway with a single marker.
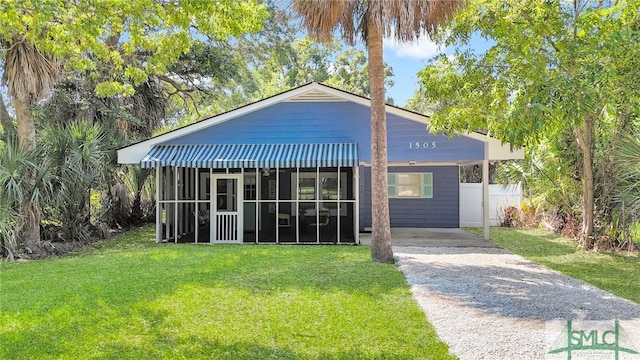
(488, 303)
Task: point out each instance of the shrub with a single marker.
(634, 232)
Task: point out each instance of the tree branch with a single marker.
(553, 43)
(176, 85)
(180, 90)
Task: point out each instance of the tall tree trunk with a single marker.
(584, 135)
(381, 230)
(30, 233)
(26, 126)
(5, 119)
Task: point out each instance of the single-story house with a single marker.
(296, 168)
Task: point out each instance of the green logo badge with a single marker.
(595, 338)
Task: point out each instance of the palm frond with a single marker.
(28, 73)
(322, 18)
(628, 154)
(402, 20)
(25, 189)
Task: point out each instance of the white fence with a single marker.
(500, 196)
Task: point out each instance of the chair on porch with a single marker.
(284, 227)
(322, 221)
(284, 220)
(203, 217)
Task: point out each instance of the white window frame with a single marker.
(342, 183)
(342, 200)
(426, 182)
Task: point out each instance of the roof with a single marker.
(312, 92)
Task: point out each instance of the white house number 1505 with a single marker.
(422, 145)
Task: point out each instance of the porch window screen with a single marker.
(307, 189)
(328, 186)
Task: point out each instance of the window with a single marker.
(250, 190)
(307, 189)
(410, 185)
(329, 186)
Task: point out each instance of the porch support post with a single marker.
(241, 205)
(318, 204)
(338, 209)
(158, 208)
(175, 206)
(356, 207)
(277, 205)
(212, 208)
(197, 210)
(486, 230)
(297, 190)
(258, 198)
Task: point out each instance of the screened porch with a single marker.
(257, 205)
(213, 201)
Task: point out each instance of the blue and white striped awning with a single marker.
(222, 156)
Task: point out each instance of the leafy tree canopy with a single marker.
(136, 38)
(351, 73)
(555, 66)
(552, 64)
(258, 71)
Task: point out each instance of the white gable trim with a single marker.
(316, 95)
(133, 154)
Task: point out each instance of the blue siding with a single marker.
(292, 123)
(335, 122)
(409, 140)
(442, 211)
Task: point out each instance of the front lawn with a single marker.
(618, 273)
(133, 299)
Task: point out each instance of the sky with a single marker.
(407, 60)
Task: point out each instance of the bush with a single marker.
(528, 217)
(510, 217)
(634, 232)
(524, 217)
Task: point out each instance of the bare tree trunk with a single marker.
(584, 135)
(26, 126)
(381, 230)
(5, 119)
(30, 233)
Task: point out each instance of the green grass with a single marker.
(133, 299)
(618, 273)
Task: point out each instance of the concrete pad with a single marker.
(433, 237)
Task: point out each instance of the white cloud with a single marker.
(422, 49)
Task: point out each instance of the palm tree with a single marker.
(628, 170)
(78, 154)
(26, 185)
(373, 20)
(29, 75)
